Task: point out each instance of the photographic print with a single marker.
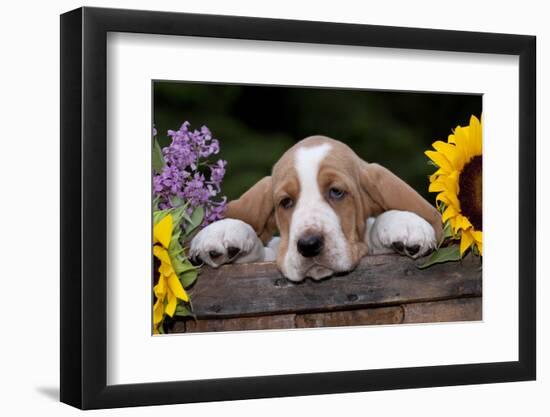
(278, 207)
(306, 195)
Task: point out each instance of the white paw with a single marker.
(227, 241)
(401, 231)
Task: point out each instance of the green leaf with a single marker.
(447, 254)
(158, 215)
(181, 264)
(188, 277)
(158, 159)
(447, 230)
(156, 202)
(475, 250)
(446, 234)
(183, 311)
(196, 219)
(177, 214)
(176, 201)
(186, 217)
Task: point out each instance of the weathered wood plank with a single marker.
(461, 309)
(279, 321)
(259, 289)
(369, 316)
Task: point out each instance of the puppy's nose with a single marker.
(310, 245)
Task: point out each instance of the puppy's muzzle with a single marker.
(310, 245)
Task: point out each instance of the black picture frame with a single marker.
(84, 207)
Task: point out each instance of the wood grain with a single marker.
(370, 316)
(461, 309)
(259, 289)
(280, 321)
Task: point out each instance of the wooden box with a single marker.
(383, 289)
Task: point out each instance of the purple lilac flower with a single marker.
(217, 172)
(215, 211)
(188, 176)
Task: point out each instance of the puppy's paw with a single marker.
(402, 232)
(227, 241)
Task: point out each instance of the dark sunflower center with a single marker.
(470, 194)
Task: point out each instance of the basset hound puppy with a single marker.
(331, 209)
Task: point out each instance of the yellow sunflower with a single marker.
(168, 288)
(458, 182)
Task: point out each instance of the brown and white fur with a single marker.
(331, 209)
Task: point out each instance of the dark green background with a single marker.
(256, 124)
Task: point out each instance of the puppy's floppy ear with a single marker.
(386, 191)
(255, 207)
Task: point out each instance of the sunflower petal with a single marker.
(440, 160)
(162, 231)
(449, 213)
(465, 241)
(449, 199)
(176, 287)
(166, 269)
(158, 312)
(436, 186)
(480, 247)
(464, 223)
(462, 138)
(443, 198)
(436, 174)
(450, 152)
(451, 183)
(171, 306)
(162, 254)
(475, 136)
(452, 220)
(477, 235)
(160, 289)
(471, 146)
(464, 155)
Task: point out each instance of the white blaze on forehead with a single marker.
(307, 161)
(313, 214)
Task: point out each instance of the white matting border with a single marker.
(135, 357)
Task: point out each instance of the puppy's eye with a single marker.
(286, 203)
(336, 193)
